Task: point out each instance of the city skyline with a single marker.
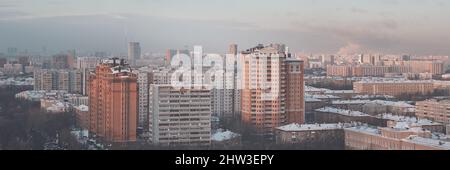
(273, 100)
(400, 26)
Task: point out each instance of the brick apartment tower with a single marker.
(265, 108)
(113, 101)
(295, 93)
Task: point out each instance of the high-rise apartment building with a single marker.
(179, 116)
(224, 94)
(264, 86)
(68, 80)
(295, 92)
(144, 80)
(3, 61)
(12, 51)
(86, 65)
(113, 101)
(87, 62)
(43, 80)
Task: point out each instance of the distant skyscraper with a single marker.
(327, 60)
(24, 60)
(100, 54)
(3, 61)
(233, 49)
(113, 101)
(406, 58)
(134, 52)
(63, 61)
(12, 52)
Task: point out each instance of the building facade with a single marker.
(295, 91)
(264, 88)
(369, 138)
(134, 52)
(113, 101)
(434, 109)
(145, 79)
(68, 80)
(393, 88)
(179, 116)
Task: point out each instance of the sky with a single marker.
(417, 27)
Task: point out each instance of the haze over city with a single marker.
(417, 27)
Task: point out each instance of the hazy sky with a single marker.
(312, 26)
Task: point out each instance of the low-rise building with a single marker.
(334, 115)
(82, 116)
(393, 87)
(225, 138)
(412, 122)
(55, 106)
(372, 138)
(395, 107)
(323, 136)
(434, 109)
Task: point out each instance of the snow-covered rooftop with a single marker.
(222, 135)
(403, 81)
(365, 129)
(373, 96)
(120, 69)
(321, 96)
(336, 102)
(82, 108)
(392, 103)
(428, 142)
(339, 92)
(58, 106)
(17, 81)
(405, 126)
(411, 121)
(40, 94)
(380, 102)
(341, 111)
(310, 99)
(314, 89)
(310, 89)
(306, 127)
